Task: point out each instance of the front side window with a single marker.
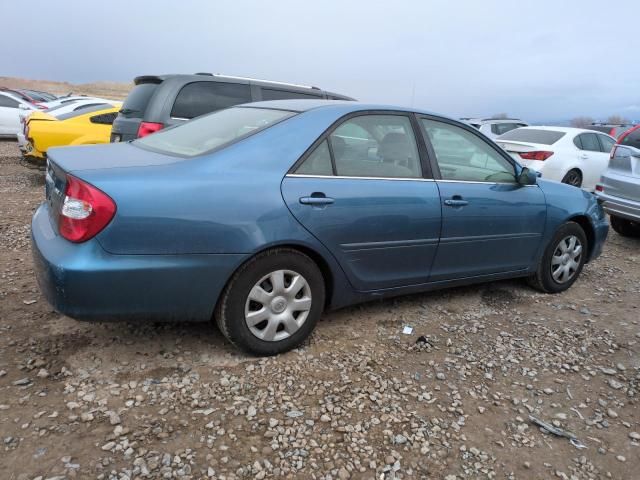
(376, 146)
(198, 98)
(589, 142)
(463, 156)
(606, 143)
(212, 131)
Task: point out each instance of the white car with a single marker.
(494, 127)
(72, 98)
(10, 108)
(568, 155)
(67, 107)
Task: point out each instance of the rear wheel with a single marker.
(624, 227)
(272, 303)
(573, 177)
(562, 260)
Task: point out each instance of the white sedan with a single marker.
(10, 107)
(568, 155)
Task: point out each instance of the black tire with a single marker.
(624, 227)
(230, 311)
(543, 279)
(573, 177)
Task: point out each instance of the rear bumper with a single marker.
(85, 282)
(620, 207)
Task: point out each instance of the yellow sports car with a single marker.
(82, 127)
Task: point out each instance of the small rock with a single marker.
(343, 474)
(22, 382)
(621, 458)
(108, 446)
(634, 436)
(616, 385)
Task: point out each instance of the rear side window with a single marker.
(274, 94)
(632, 139)
(606, 143)
(318, 163)
(198, 98)
(533, 135)
(8, 102)
(500, 128)
(104, 118)
(212, 131)
(136, 102)
(589, 142)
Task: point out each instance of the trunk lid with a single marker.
(514, 148)
(106, 156)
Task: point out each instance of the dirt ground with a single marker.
(360, 400)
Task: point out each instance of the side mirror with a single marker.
(527, 177)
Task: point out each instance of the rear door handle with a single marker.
(316, 200)
(584, 156)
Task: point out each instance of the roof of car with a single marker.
(297, 105)
(490, 120)
(562, 129)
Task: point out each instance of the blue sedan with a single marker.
(262, 216)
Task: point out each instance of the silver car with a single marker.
(619, 188)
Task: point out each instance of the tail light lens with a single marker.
(147, 128)
(536, 155)
(85, 211)
(599, 188)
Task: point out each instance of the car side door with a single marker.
(365, 191)
(490, 223)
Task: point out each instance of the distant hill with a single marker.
(110, 90)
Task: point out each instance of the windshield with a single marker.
(532, 135)
(212, 131)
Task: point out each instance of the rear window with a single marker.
(82, 111)
(212, 131)
(632, 139)
(198, 98)
(532, 135)
(136, 102)
(274, 94)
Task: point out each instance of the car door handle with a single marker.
(584, 156)
(316, 200)
(456, 203)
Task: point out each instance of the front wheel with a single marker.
(272, 303)
(562, 260)
(624, 227)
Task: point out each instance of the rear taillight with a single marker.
(147, 128)
(599, 188)
(85, 211)
(536, 155)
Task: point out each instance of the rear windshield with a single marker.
(136, 102)
(212, 131)
(632, 139)
(82, 111)
(532, 135)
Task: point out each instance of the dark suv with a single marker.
(156, 102)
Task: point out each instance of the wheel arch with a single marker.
(322, 263)
(589, 231)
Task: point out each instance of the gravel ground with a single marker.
(361, 400)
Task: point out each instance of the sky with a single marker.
(534, 59)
